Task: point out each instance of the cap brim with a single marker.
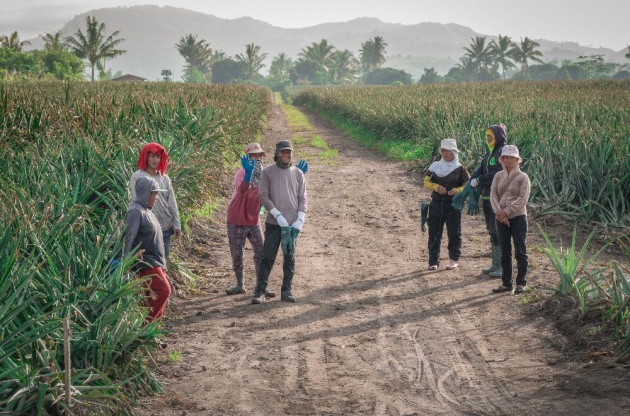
(285, 148)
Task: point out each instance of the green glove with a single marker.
(473, 201)
(424, 215)
(287, 243)
(294, 235)
(459, 200)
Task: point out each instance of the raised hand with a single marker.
(302, 165)
(248, 164)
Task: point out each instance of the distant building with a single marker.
(129, 78)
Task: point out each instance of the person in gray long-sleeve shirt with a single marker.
(282, 190)
(143, 230)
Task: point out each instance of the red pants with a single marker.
(160, 287)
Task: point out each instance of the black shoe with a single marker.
(287, 297)
(258, 298)
(502, 289)
(270, 294)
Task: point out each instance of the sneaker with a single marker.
(287, 297)
(501, 289)
(235, 290)
(270, 294)
(258, 298)
(452, 265)
(519, 289)
(433, 267)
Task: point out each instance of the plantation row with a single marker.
(574, 137)
(68, 151)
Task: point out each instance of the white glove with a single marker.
(299, 222)
(474, 182)
(282, 222)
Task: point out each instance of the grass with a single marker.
(299, 123)
(393, 149)
(175, 356)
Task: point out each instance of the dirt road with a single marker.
(373, 332)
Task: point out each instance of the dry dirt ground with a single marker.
(373, 332)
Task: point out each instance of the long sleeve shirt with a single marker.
(283, 189)
(165, 209)
(510, 192)
(142, 229)
(244, 207)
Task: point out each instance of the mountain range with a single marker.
(151, 32)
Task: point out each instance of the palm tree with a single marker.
(526, 51)
(53, 42)
(479, 54)
(280, 69)
(94, 46)
(372, 53)
(197, 53)
(252, 60)
(321, 53)
(13, 42)
(344, 67)
(501, 52)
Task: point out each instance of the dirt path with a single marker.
(373, 332)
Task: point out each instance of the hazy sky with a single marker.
(589, 22)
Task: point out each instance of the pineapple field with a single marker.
(373, 332)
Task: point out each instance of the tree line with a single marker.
(320, 63)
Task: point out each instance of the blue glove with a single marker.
(473, 201)
(459, 200)
(113, 265)
(287, 243)
(303, 166)
(248, 165)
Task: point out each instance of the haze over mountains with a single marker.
(151, 32)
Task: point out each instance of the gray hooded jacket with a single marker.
(143, 229)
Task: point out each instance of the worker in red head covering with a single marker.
(157, 149)
(152, 162)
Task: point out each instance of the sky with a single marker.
(589, 22)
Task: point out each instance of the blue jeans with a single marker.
(166, 236)
(517, 232)
(273, 235)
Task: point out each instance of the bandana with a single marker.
(157, 149)
(442, 168)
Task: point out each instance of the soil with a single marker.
(373, 331)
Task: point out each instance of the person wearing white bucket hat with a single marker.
(508, 195)
(445, 178)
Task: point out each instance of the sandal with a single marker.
(433, 267)
(501, 289)
(519, 289)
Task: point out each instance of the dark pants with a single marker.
(270, 251)
(491, 223)
(441, 213)
(517, 232)
(166, 236)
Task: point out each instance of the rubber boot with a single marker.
(495, 262)
(498, 272)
